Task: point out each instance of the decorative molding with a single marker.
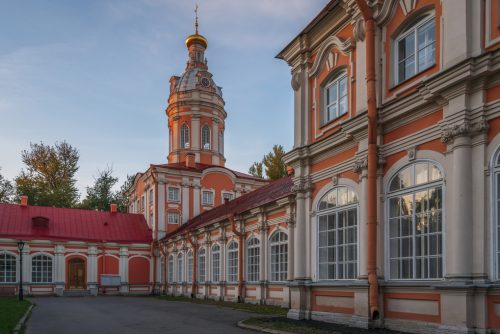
(412, 153)
(360, 165)
(343, 46)
(359, 30)
(407, 6)
(302, 186)
(466, 128)
(295, 81)
(335, 180)
(386, 12)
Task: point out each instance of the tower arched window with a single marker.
(253, 259)
(278, 245)
(205, 137)
(184, 136)
(415, 207)
(338, 235)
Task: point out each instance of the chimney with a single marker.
(190, 160)
(289, 170)
(24, 200)
(113, 208)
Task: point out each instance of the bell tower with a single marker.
(195, 111)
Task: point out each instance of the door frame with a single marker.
(68, 260)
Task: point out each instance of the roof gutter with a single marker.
(372, 159)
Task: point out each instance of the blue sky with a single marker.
(95, 73)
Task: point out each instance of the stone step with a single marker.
(76, 293)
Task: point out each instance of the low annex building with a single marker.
(74, 251)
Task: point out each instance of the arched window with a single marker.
(162, 269)
(41, 269)
(221, 142)
(8, 265)
(184, 136)
(180, 268)
(253, 254)
(338, 234)
(232, 262)
(189, 277)
(205, 137)
(335, 98)
(170, 269)
(415, 204)
(415, 48)
(201, 266)
(215, 263)
(496, 206)
(278, 245)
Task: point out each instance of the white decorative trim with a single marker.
(343, 46)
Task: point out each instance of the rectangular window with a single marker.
(7, 268)
(227, 196)
(216, 266)
(151, 196)
(416, 50)
(173, 194)
(253, 263)
(335, 99)
(201, 267)
(207, 198)
(232, 265)
(173, 218)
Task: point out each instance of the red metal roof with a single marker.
(72, 224)
(201, 167)
(266, 194)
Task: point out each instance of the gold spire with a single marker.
(196, 37)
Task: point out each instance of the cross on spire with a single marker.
(196, 22)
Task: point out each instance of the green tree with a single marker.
(7, 190)
(273, 163)
(100, 195)
(49, 177)
(121, 196)
(256, 169)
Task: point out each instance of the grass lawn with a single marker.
(309, 326)
(11, 310)
(260, 309)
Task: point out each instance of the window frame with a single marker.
(50, 271)
(175, 190)
(184, 133)
(171, 214)
(180, 268)
(334, 79)
(170, 269)
(413, 27)
(213, 267)
(206, 137)
(224, 193)
(15, 272)
(231, 250)
(207, 191)
(202, 253)
(412, 190)
(270, 252)
(252, 276)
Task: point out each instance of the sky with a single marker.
(95, 73)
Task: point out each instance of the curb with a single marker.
(22, 321)
(261, 329)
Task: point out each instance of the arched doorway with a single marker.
(76, 273)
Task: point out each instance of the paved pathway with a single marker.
(127, 315)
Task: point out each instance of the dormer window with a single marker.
(415, 49)
(335, 96)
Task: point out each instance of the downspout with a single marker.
(372, 159)
(195, 264)
(164, 281)
(239, 234)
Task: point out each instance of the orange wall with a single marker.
(218, 182)
(413, 127)
(138, 271)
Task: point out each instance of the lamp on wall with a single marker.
(20, 246)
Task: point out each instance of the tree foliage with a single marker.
(122, 198)
(272, 163)
(100, 195)
(7, 190)
(49, 177)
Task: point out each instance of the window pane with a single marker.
(406, 47)
(343, 87)
(343, 105)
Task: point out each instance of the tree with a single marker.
(100, 195)
(272, 163)
(49, 178)
(121, 197)
(256, 169)
(7, 190)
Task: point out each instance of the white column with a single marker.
(123, 269)
(59, 264)
(26, 267)
(195, 135)
(92, 270)
(215, 134)
(185, 199)
(263, 252)
(162, 228)
(196, 197)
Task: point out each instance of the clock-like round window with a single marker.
(205, 82)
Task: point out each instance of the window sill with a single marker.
(406, 81)
(330, 122)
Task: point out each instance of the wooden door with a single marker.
(76, 273)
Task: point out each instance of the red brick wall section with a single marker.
(138, 270)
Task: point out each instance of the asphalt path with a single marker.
(127, 315)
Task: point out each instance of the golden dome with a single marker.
(196, 38)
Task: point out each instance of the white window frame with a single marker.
(184, 134)
(176, 194)
(350, 205)
(225, 193)
(413, 30)
(341, 75)
(280, 275)
(202, 266)
(412, 190)
(206, 142)
(13, 274)
(170, 269)
(215, 251)
(172, 215)
(180, 268)
(189, 263)
(253, 259)
(232, 256)
(206, 191)
(45, 268)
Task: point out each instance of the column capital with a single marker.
(465, 128)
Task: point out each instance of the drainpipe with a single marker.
(372, 159)
(195, 264)
(240, 235)
(164, 281)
